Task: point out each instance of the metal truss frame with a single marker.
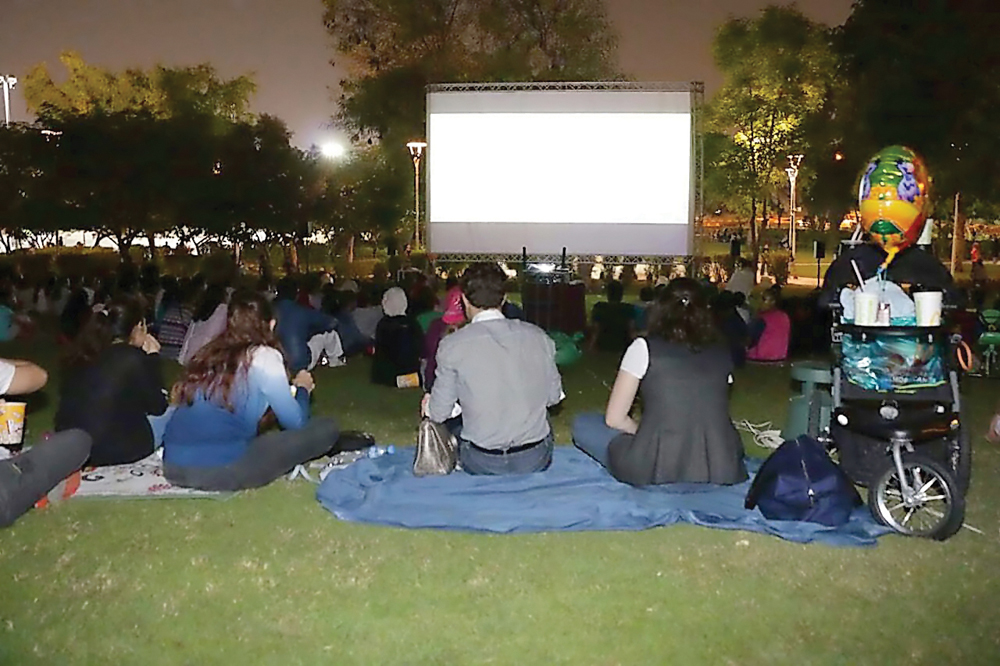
(511, 259)
(693, 87)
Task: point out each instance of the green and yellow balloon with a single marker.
(894, 196)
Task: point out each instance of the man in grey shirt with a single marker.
(502, 373)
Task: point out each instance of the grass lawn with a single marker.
(269, 577)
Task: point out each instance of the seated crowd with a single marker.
(240, 414)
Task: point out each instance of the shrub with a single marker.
(779, 265)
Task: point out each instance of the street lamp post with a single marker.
(793, 175)
(8, 83)
(416, 149)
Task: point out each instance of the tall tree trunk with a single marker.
(151, 239)
(350, 249)
(754, 239)
(122, 247)
(266, 269)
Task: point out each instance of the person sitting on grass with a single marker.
(397, 343)
(176, 319)
(770, 331)
(449, 322)
(368, 313)
(612, 322)
(732, 325)
(306, 334)
(26, 477)
(646, 297)
(503, 375)
(112, 385)
(13, 324)
(208, 322)
(343, 306)
(683, 370)
(212, 440)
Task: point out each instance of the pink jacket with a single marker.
(773, 343)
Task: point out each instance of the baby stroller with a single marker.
(897, 425)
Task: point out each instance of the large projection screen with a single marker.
(602, 171)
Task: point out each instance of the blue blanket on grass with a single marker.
(574, 494)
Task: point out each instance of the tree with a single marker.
(394, 48)
(162, 92)
(366, 200)
(137, 149)
(923, 74)
(777, 69)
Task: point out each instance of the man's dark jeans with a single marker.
(476, 461)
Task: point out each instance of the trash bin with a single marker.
(809, 411)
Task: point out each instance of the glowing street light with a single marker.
(332, 150)
(416, 149)
(793, 175)
(8, 83)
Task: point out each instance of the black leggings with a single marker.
(267, 457)
(25, 478)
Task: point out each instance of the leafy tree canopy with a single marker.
(924, 74)
(778, 69)
(394, 48)
(161, 92)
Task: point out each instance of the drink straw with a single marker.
(857, 272)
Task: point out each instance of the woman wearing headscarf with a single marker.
(397, 343)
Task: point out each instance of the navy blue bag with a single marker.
(799, 481)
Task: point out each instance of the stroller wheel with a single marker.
(933, 507)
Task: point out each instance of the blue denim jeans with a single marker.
(536, 459)
(593, 436)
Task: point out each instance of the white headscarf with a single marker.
(394, 302)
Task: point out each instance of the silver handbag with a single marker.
(437, 450)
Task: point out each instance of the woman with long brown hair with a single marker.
(212, 440)
(682, 370)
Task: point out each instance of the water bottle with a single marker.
(379, 451)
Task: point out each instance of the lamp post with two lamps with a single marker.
(416, 149)
(794, 162)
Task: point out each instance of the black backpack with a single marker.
(799, 481)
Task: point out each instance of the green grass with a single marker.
(269, 577)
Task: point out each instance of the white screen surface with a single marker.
(596, 172)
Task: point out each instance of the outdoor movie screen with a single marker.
(593, 171)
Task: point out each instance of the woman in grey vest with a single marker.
(682, 370)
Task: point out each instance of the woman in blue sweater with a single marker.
(212, 440)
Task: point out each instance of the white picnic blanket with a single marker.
(142, 479)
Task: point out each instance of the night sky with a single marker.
(284, 44)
